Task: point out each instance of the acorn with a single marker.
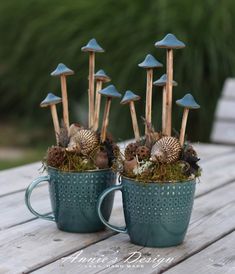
(129, 166)
(84, 142)
(143, 153)
(167, 150)
(130, 151)
(56, 156)
(101, 159)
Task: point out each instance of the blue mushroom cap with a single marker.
(51, 99)
(101, 75)
(170, 42)
(129, 96)
(162, 81)
(92, 45)
(188, 102)
(150, 62)
(62, 70)
(110, 91)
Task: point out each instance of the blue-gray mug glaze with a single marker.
(74, 197)
(156, 214)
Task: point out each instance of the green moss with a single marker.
(157, 172)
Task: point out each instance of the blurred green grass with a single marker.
(37, 35)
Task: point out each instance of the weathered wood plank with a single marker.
(223, 132)
(210, 211)
(17, 179)
(225, 110)
(38, 242)
(14, 210)
(216, 259)
(229, 88)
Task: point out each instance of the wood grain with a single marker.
(183, 126)
(216, 259)
(91, 88)
(148, 105)
(169, 86)
(134, 121)
(65, 101)
(55, 122)
(164, 109)
(105, 119)
(97, 105)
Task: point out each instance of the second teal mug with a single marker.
(156, 214)
(74, 197)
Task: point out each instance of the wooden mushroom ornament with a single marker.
(169, 42)
(50, 101)
(92, 47)
(100, 77)
(149, 64)
(63, 72)
(161, 82)
(187, 102)
(109, 92)
(129, 98)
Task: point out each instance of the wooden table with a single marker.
(28, 244)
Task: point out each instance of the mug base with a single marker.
(80, 230)
(157, 245)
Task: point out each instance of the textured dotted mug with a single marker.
(74, 197)
(156, 214)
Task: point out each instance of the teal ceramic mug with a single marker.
(156, 214)
(74, 198)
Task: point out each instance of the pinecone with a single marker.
(166, 150)
(63, 136)
(143, 153)
(84, 142)
(130, 151)
(56, 156)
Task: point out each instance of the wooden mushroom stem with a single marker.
(183, 126)
(65, 101)
(164, 110)
(91, 88)
(134, 121)
(55, 122)
(105, 119)
(97, 104)
(148, 106)
(169, 85)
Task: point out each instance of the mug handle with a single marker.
(28, 193)
(100, 201)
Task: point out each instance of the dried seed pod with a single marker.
(84, 142)
(130, 151)
(143, 153)
(166, 150)
(55, 156)
(63, 136)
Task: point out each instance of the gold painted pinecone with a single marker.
(166, 150)
(142, 153)
(55, 156)
(84, 142)
(130, 151)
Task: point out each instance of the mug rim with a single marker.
(79, 172)
(159, 182)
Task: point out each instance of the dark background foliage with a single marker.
(37, 35)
